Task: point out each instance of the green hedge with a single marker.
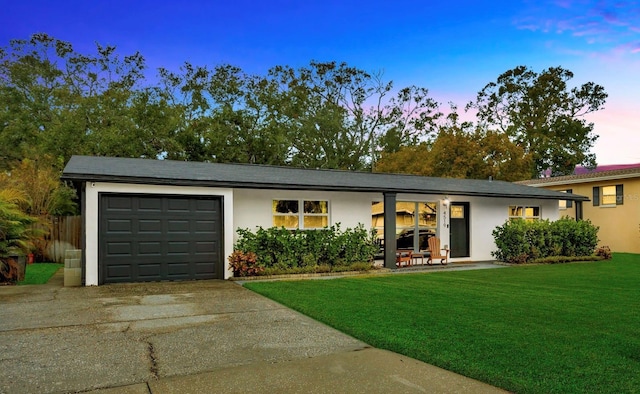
(278, 250)
(520, 241)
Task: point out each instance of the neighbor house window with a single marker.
(608, 195)
(524, 212)
(304, 214)
(564, 204)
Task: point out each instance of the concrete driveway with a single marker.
(181, 337)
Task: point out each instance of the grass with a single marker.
(39, 273)
(569, 328)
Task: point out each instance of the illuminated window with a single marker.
(608, 196)
(524, 212)
(287, 213)
(411, 218)
(564, 204)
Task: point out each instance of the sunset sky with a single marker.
(453, 48)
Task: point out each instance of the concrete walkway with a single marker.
(190, 337)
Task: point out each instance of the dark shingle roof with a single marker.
(167, 172)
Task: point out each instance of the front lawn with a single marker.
(569, 328)
(39, 273)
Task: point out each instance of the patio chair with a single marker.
(403, 256)
(435, 252)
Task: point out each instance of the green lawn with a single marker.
(39, 273)
(567, 328)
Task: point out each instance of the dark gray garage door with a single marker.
(149, 237)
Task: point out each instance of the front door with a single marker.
(459, 229)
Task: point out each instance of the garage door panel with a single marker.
(119, 203)
(205, 226)
(120, 248)
(175, 205)
(151, 238)
(178, 226)
(119, 273)
(152, 248)
(149, 226)
(150, 204)
(119, 226)
(206, 206)
(148, 271)
(205, 247)
(178, 248)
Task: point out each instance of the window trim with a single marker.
(524, 212)
(598, 196)
(301, 214)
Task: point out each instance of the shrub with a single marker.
(279, 250)
(244, 264)
(15, 233)
(519, 241)
(604, 252)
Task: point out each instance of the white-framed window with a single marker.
(302, 214)
(524, 212)
(608, 196)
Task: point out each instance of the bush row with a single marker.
(278, 250)
(520, 241)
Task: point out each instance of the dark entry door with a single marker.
(153, 237)
(459, 229)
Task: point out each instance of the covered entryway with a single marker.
(154, 237)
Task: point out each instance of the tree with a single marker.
(38, 182)
(543, 116)
(337, 115)
(326, 115)
(59, 102)
(461, 150)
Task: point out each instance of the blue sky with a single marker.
(453, 48)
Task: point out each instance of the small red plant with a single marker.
(604, 252)
(244, 264)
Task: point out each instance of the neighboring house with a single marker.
(149, 220)
(614, 205)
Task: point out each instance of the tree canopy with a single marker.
(542, 115)
(56, 102)
(461, 150)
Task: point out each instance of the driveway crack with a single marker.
(152, 359)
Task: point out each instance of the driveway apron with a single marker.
(186, 337)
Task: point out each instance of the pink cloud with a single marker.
(613, 25)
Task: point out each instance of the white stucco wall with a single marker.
(485, 215)
(91, 217)
(250, 208)
(253, 208)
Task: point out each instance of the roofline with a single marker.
(77, 177)
(584, 178)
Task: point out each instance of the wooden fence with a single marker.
(63, 232)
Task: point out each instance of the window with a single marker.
(287, 213)
(411, 217)
(524, 212)
(564, 204)
(608, 195)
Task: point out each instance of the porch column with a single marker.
(578, 210)
(390, 230)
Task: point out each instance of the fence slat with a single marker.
(64, 232)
